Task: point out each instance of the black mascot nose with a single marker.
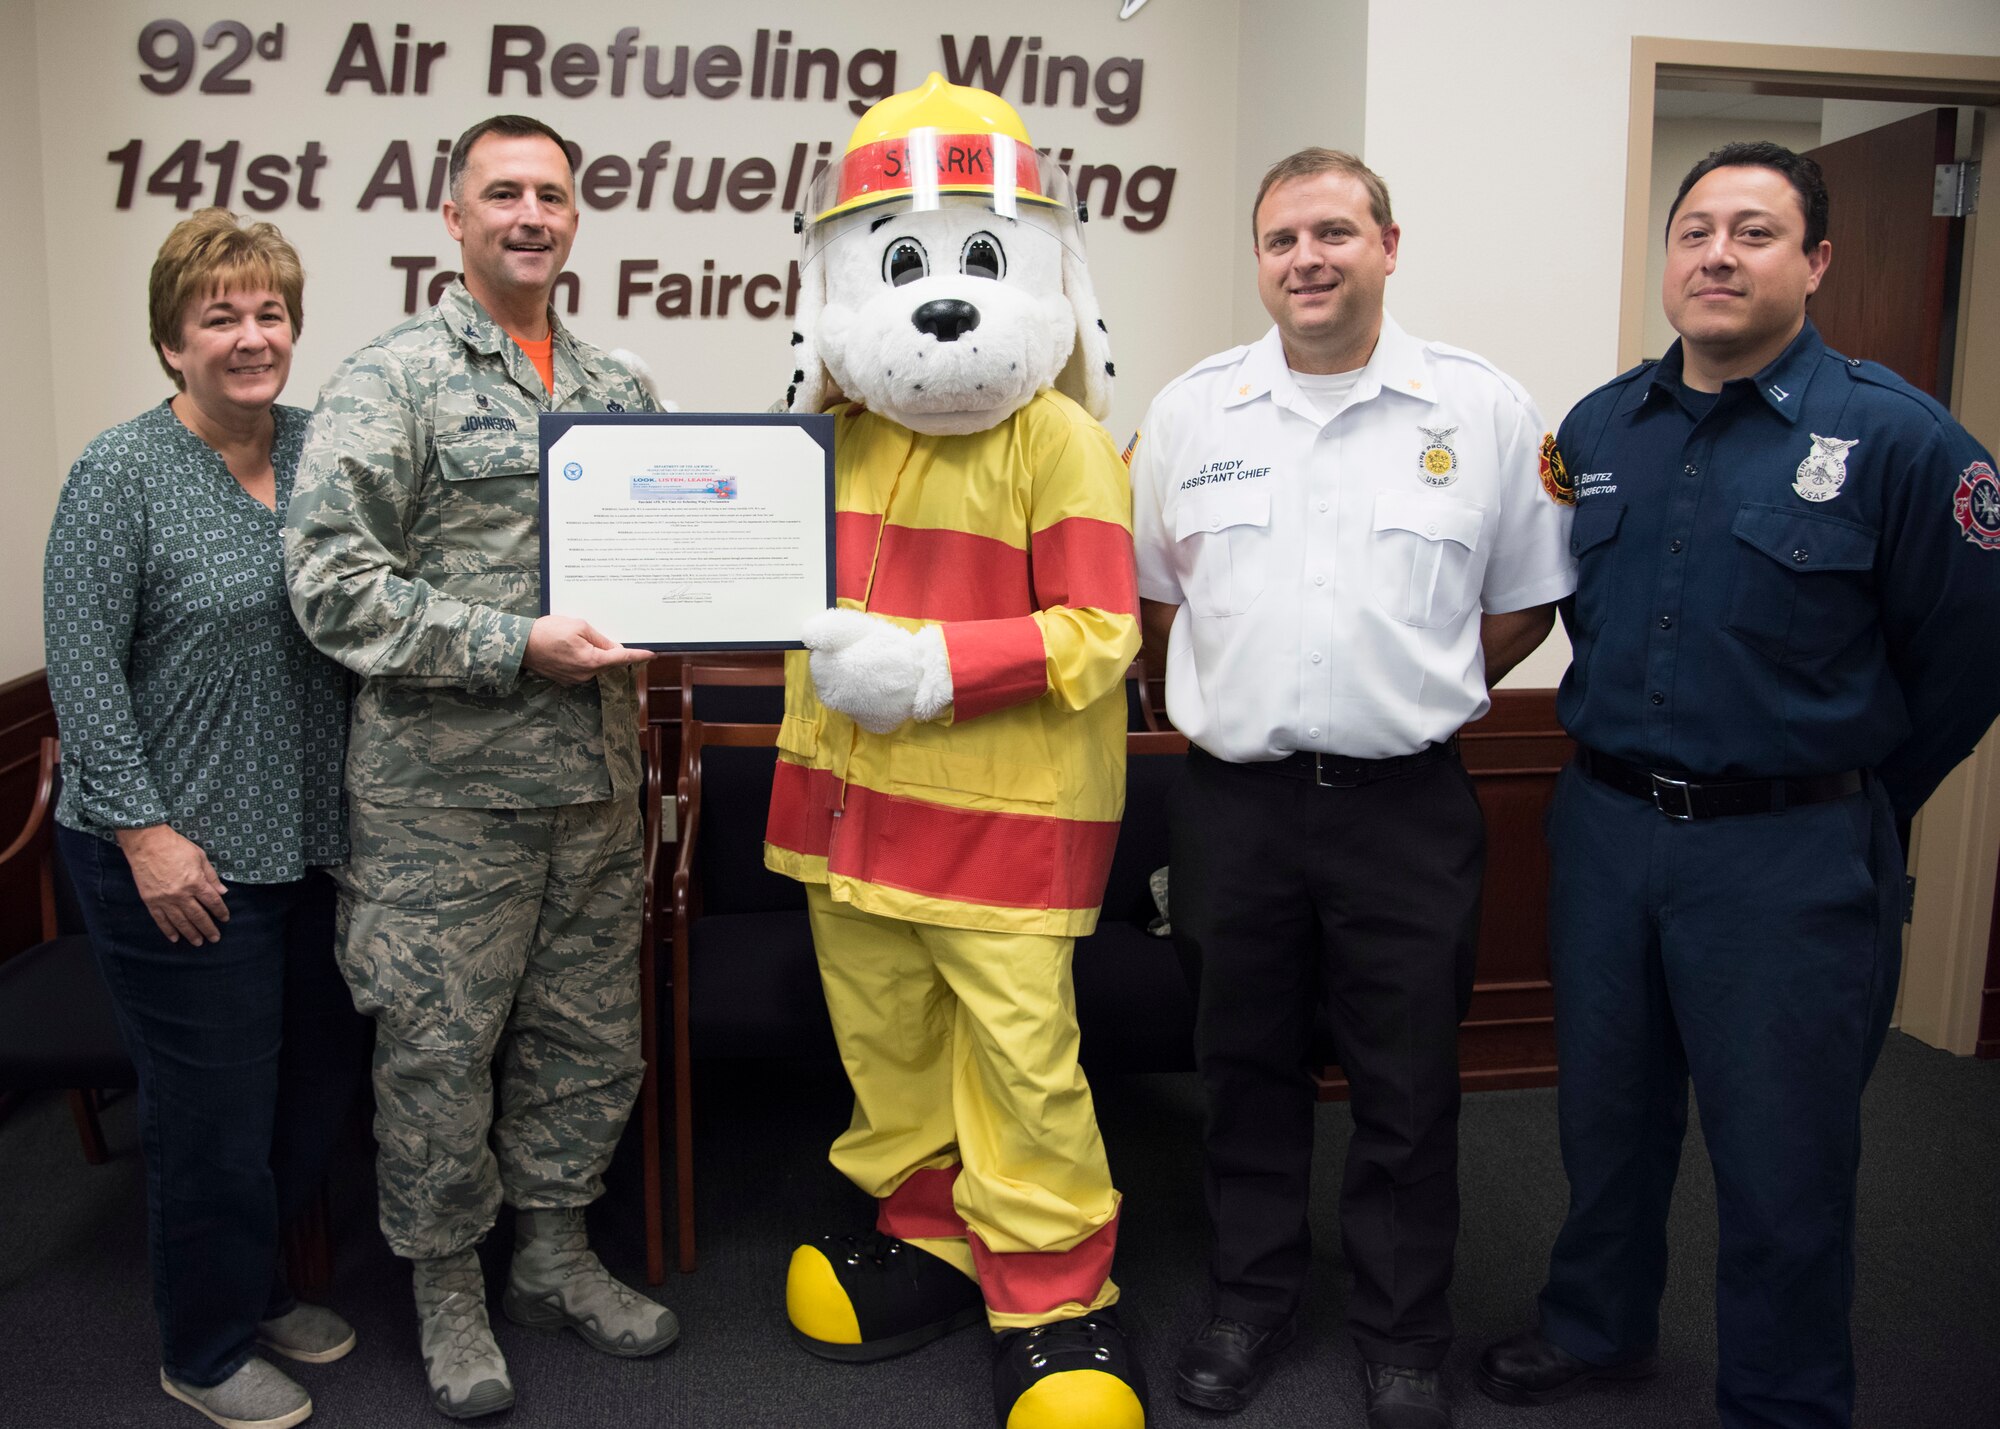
(946, 319)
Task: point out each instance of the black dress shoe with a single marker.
(1223, 1366)
(1528, 1369)
(1403, 1398)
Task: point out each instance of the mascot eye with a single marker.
(904, 262)
(983, 257)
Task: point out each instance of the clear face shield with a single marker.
(928, 170)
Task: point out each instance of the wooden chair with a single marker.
(58, 1031)
(651, 755)
(742, 980)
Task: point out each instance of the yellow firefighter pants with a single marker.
(961, 1046)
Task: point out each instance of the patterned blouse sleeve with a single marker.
(90, 604)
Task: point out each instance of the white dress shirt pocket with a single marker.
(1223, 535)
(1423, 557)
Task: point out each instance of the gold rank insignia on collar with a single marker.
(1556, 480)
(1437, 464)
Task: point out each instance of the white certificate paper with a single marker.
(685, 531)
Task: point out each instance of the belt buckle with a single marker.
(1319, 771)
(1661, 785)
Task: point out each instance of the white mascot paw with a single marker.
(642, 372)
(876, 673)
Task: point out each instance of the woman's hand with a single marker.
(177, 882)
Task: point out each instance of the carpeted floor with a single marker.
(76, 1337)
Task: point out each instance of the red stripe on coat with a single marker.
(972, 855)
(802, 805)
(995, 664)
(920, 1208)
(1033, 1282)
(930, 574)
(854, 535)
(977, 856)
(1083, 563)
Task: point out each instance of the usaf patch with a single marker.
(1976, 504)
(1556, 479)
(1130, 448)
(1437, 463)
(1820, 475)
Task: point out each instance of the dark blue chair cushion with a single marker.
(1132, 1002)
(729, 850)
(753, 988)
(57, 1029)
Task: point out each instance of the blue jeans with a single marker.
(248, 1051)
(1755, 957)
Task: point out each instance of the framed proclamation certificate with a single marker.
(688, 531)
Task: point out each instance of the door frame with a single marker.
(1955, 847)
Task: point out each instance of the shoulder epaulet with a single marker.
(1874, 374)
(1627, 377)
(425, 326)
(1446, 350)
(1617, 384)
(1227, 358)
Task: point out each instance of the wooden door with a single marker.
(1891, 295)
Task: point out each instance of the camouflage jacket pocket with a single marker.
(488, 502)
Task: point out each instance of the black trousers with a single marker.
(1288, 896)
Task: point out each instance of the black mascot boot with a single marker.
(1073, 1374)
(872, 1297)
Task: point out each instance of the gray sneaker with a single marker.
(468, 1373)
(311, 1334)
(257, 1396)
(556, 1282)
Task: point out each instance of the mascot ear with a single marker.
(1086, 377)
(809, 388)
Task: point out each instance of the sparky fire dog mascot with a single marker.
(951, 765)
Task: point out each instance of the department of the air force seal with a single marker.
(1977, 506)
(1556, 479)
(1820, 475)
(1437, 463)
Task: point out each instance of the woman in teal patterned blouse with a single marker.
(202, 743)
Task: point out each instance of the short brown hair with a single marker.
(211, 252)
(507, 126)
(1308, 162)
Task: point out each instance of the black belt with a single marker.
(1336, 771)
(1683, 796)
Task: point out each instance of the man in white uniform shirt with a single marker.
(1342, 540)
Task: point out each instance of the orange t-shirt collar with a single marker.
(542, 354)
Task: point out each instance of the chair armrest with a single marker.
(36, 840)
(38, 828)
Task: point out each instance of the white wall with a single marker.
(25, 398)
(1678, 145)
(1302, 76)
(1504, 129)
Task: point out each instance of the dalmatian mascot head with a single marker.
(943, 282)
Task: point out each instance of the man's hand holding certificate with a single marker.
(688, 532)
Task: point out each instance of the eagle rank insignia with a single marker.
(1820, 475)
(1437, 463)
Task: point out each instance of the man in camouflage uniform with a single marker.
(491, 903)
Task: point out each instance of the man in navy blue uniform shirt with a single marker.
(1789, 582)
